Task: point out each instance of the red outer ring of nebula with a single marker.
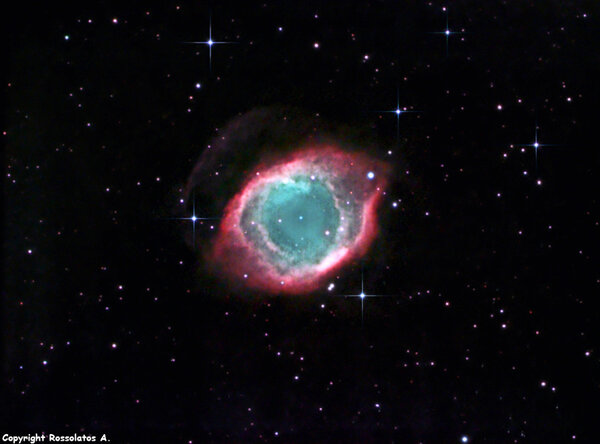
(236, 259)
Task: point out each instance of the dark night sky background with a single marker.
(490, 330)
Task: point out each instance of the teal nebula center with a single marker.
(300, 219)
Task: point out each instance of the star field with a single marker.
(471, 317)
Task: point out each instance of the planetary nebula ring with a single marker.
(300, 218)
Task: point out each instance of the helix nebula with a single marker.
(299, 218)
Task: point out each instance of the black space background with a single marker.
(445, 272)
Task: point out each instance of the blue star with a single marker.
(193, 218)
(362, 296)
(210, 42)
(447, 32)
(536, 145)
(398, 111)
